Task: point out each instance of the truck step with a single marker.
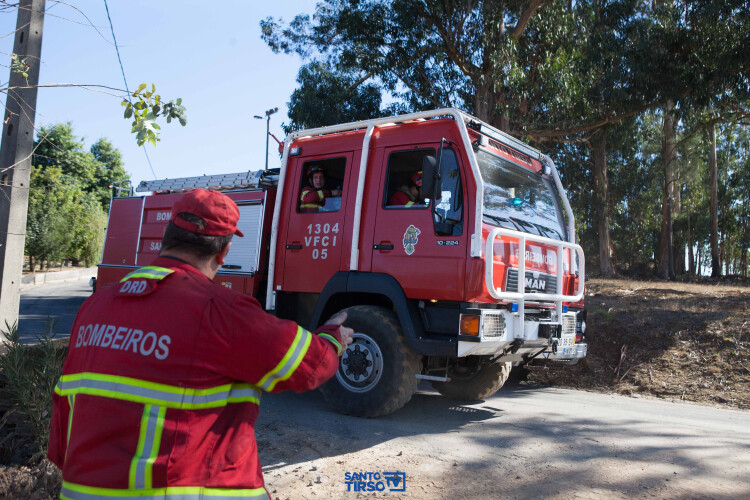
(433, 378)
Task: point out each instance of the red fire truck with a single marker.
(431, 286)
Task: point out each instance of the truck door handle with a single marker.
(294, 247)
(383, 246)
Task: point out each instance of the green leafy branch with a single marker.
(20, 66)
(146, 108)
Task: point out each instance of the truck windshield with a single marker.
(517, 198)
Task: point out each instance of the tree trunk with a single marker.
(601, 187)
(678, 237)
(699, 259)
(668, 153)
(715, 258)
(691, 257)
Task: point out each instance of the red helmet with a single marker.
(416, 179)
(315, 168)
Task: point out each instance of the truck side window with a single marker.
(321, 185)
(403, 185)
(450, 208)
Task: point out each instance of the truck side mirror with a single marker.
(429, 171)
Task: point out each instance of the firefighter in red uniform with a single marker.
(161, 387)
(408, 195)
(313, 196)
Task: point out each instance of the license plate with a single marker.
(567, 341)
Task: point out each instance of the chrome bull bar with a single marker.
(520, 296)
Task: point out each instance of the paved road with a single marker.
(57, 300)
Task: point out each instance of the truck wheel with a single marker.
(377, 372)
(474, 384)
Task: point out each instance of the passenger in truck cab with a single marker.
(410, 194)
(314, 194)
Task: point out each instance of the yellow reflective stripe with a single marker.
(149, 441)
(321, 195)
(308, 205)
(332, 340)
(74, 491)
(409, 203)
(71, 403)
(139, 448)
(155, 449)
(145, 392)
(150, 272)
(289, 363)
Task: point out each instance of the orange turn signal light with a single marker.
(470, 325)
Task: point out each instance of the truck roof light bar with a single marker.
(504, 138)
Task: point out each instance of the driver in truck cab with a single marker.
(409, 195)
(313, 196)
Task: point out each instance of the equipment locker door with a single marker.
(315, 237)
(405, 243)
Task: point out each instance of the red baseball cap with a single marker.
(218, 210)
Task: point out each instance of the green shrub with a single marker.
(28, 374)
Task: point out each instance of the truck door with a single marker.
(423, 248)
(317, 216)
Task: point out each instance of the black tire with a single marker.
(480, 384)
(381, 367)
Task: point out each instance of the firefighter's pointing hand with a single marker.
(345, 332)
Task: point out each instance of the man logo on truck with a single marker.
(536, 284)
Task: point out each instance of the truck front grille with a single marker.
(536, 282)
(493, 325)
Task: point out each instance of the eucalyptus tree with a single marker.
(326, 97)
(471, 54)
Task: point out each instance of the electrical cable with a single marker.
(127, 89)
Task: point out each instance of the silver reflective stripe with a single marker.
(183, 398)
(149, 442)
(176, 493)
(284, 371)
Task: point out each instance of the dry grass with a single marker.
(673, 340)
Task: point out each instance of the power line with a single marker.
(127, 89)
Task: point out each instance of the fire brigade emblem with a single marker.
(411, 239)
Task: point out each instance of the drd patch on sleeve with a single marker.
(137, 287)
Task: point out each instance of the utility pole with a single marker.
(269, 112)
(15, 156)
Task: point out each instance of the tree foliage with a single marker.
(148, 107)
(69, 196)
(320, 85)
(471, 55)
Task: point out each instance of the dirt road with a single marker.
(521, 443)
(532, 441)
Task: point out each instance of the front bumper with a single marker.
(569, 355)
(500, 335)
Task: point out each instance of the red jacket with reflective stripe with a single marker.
(162, 382)
(312, 199)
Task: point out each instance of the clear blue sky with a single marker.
(208, 53)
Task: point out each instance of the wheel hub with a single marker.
(356, 362)
(361, 364)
